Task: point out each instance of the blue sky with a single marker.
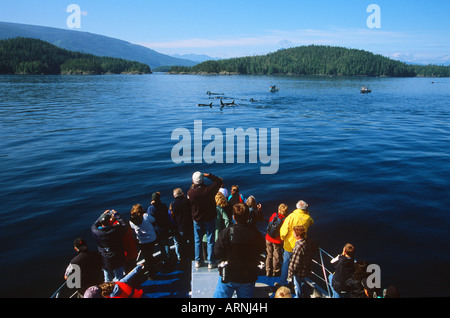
(413, 31)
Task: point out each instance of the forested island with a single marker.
(316, 60)
(35, 57)
(32, 56)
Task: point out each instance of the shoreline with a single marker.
(225, 73)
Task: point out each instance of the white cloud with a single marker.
(398, 45)
(421, 57)
(284, 38)
(206, 43)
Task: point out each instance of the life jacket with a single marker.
(126, 291)
(240, 198)
(273, 228)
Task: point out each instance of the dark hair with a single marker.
(241, 213)
(392, 292)
(137, 214)
(156, 196)
(360, 268)
(349, 249)
(80, 244)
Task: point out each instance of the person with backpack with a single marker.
(239, 248)
(274, 244)
(235, 196)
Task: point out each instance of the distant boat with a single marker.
(274, 88)
(210, 93)
(365, 90)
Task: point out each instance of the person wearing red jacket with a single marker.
(274, 246)
(127, 287)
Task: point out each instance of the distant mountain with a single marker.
(90, 43)
(316, 60)
(196, 57)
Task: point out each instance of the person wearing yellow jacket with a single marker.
(300, 216)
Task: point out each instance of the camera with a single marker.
(105, 218)
(224, 271)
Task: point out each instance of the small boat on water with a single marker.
(365, 90)
(211, 93)
(274, 89)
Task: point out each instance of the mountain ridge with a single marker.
(86, 42)
(196, 57)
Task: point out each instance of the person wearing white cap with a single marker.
(204, 213)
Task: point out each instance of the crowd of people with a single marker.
(214, 229)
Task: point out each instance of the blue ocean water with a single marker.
(374, 168)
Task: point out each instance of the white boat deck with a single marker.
(204, 282)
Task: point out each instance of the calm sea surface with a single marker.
(375, 169)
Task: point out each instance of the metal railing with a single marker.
(322, 273)
(75, 294)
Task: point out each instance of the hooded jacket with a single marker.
(343, 270)
(110, 242)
